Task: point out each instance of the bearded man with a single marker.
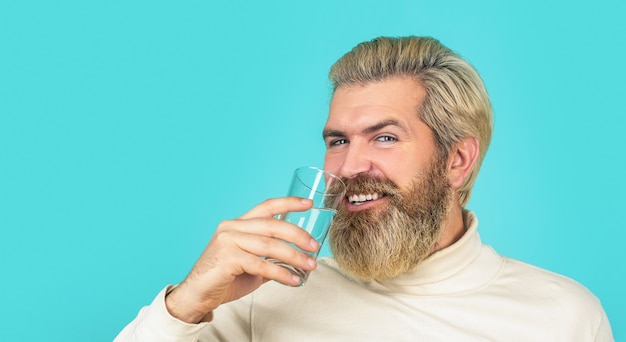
(408, 127)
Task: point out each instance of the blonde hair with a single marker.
(456, 105)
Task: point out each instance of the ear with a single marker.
(463, 156)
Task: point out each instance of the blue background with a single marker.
(130, 129)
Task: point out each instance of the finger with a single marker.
(271, 228)
(269, 270)
(231, 243)
(275, 206)
(238, 263)
(278, 250)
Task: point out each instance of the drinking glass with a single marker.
(326, 191)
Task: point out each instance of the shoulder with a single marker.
(545, 299)
(540, 282)
(551, 293)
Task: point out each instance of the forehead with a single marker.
(390, 99)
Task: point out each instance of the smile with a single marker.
(358, 199)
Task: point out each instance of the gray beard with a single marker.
(382, 243)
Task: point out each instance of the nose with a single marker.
(356, 161)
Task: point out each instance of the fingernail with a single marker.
(314, 244)
(305, 201)
(310, 261)
(296, 280)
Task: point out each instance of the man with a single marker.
(408, 127)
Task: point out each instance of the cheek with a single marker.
(332, 163)
(399, 167)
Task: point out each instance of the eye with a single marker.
(386, 138)
(337, 142)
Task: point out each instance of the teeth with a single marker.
(360, 198)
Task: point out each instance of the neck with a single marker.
(453, 228)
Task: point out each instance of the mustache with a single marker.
(367, 184)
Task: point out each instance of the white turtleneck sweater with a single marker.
(466, 292)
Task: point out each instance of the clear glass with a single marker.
(326, 191)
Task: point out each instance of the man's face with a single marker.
(398, 194)
(374, 130)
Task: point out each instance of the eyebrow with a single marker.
(327, 133)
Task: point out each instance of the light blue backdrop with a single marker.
(130, 129)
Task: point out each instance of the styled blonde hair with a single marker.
(456, 105)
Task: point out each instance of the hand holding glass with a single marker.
(326, 191)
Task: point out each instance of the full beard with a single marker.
(386, 241)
